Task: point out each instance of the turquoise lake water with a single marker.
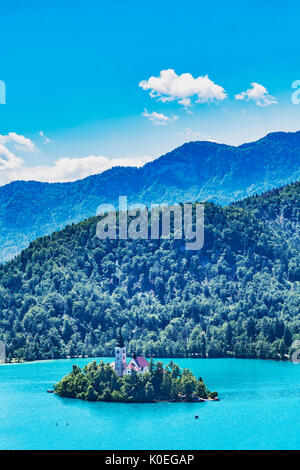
(259, 409)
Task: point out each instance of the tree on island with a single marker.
(99, 382)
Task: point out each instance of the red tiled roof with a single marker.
(142, 362)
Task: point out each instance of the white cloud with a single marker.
(14, 167)
(189, 134)
(46, 139)
(18, 141)
(169, 86)
(257, 93)
(64, 169)
(186, 102)
(159, 119)
(8, 161)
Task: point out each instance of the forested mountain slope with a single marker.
(203, 171)
(69, 292)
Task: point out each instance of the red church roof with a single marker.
(142, 361)
(136, 364)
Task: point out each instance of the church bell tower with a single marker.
(120, 356)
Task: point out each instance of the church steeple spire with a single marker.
(120, 355)
(120, 341)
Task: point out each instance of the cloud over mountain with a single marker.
(72, 169)
(14, 167)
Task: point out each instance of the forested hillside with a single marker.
(239, 296)
(196, 171)
(280, 204)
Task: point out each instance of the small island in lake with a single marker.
(137, 381)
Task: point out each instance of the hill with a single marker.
(203, 171)
(67, 293)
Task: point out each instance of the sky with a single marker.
(87, 85)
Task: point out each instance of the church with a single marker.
(137, 363)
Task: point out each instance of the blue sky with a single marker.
(79, 73)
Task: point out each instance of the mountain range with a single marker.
(203, 171)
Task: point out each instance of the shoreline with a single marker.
(154, 358)
(195, 400)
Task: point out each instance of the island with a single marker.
(138, 380)
(100, 382)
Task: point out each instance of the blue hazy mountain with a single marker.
(203, 171)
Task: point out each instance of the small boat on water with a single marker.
(50, 391)
(196, 416)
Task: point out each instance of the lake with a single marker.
(259, 408)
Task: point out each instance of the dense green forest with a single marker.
(99, 382)
(67, 294)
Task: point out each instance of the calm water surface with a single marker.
(259, 409)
